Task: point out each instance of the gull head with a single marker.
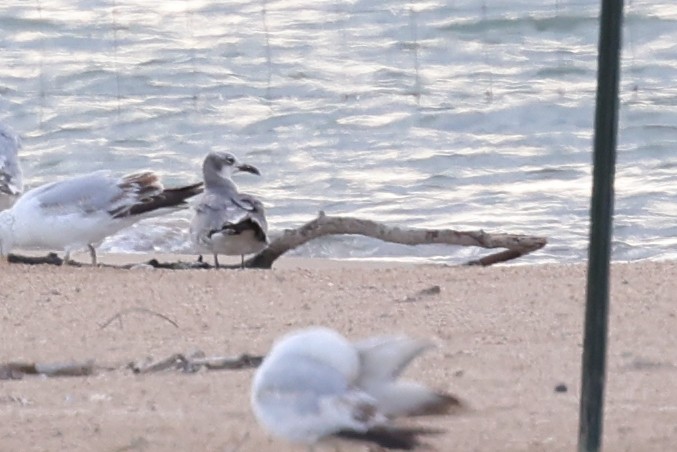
(223, 165)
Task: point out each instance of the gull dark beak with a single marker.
(249, 169)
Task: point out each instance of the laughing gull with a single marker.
(226, 221)
(11, 178)
(316, 386)
(82, 211)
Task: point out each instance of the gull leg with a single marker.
(92, 253)
(66, 258)
(242, 261)
(216, 260)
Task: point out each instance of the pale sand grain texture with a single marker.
(507, 336)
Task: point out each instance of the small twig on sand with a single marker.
(430, 291)
(180, 265)
(49, 259)
(243, 361)
(142, 310)
(188, 363)
(195, 362)
(175, 361)
(496, 258)
(16, 370)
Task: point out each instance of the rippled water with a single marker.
(460, 114)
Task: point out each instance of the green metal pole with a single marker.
(601, 215)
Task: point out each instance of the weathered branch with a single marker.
(323, 225)
(196, 361)
(16, 370)
(49, 259)
(515, 245)
(177, 361)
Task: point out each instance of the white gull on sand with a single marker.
(82, 211)
(11, 177)
(315, 385)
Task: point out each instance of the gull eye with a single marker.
(229, 160)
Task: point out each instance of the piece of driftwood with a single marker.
(515, 245)
(194, 362)
(49, 259)
(188, 363)
(324, 225)
(17, 370)
(175, 361)
(243, 361)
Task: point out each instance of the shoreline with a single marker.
(506, 336)
(290, 262)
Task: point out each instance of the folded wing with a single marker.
(102, 193)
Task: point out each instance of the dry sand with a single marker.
(507, 336)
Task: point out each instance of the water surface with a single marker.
(437, 114)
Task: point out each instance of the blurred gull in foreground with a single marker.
(11, 178)
(226, 221)
(82, 211)
(316, 386)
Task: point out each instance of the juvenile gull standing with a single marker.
(82, 211)
(11, 178)
(226, 221)
(315, 385)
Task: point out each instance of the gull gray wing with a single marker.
(11, 177)
(213, 210)
(257, 213)
(216, 212)
(100, 192)
(88, 193)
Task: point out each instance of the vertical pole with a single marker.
(601, 214)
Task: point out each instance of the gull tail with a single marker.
(167, 198)
(391, 438)
(383, 360)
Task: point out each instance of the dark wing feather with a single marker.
(238, 228)
(150, 199)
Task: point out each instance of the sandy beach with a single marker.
(506, 337)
